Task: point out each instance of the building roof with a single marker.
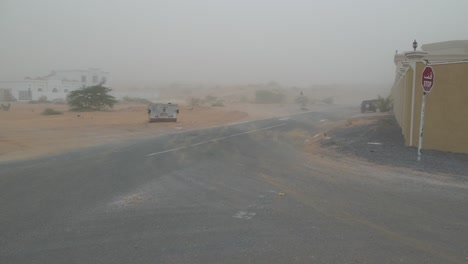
(447, 47)
(447, 51)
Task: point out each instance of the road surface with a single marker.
(245, 193)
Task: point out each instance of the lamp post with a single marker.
(413, 57)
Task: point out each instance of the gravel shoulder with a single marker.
(378, 139)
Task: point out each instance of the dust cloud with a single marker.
(213, 42)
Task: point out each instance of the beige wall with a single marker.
(446, 121)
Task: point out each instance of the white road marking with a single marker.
(235, 135)
(165, 151)
(233, 124)
(244, 215)
(238, 123)
(216, 139)
(280, 118)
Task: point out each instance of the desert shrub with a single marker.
(128, 99)
(51, 111)
(384, 104)
(209, 99)
(59, 101)
(269, 97)
(193, 101)
(218, 104)
(5, 107)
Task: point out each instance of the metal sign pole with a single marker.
(421, 125)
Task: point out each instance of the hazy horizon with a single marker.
(233, 42)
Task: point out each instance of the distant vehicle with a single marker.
(160, 112)
(369, 106)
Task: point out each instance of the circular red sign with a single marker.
(427, 79)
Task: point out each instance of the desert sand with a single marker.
(26, 133)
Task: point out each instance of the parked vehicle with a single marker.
(369, 106)
(160, 112)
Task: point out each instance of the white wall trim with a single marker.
(449, 62)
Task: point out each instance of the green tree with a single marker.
(93, 98)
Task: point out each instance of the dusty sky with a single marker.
(214, 41)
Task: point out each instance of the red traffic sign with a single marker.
(427, 79)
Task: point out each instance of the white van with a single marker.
(163, 112)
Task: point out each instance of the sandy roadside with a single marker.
(25, 133)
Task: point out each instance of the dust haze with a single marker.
(203, 42)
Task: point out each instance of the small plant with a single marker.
(5, 107)
(51, 111)
(384, 104)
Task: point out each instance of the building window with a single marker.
(95, 78)
(54, 90)
(39, 89)
(65, 91)
(83, 78)
(24, 95)
(104, 79)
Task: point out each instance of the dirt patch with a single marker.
(26, 133)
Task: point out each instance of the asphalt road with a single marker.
(244, 193)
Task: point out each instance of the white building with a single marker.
(56, 85)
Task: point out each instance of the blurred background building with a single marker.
(54, 86)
